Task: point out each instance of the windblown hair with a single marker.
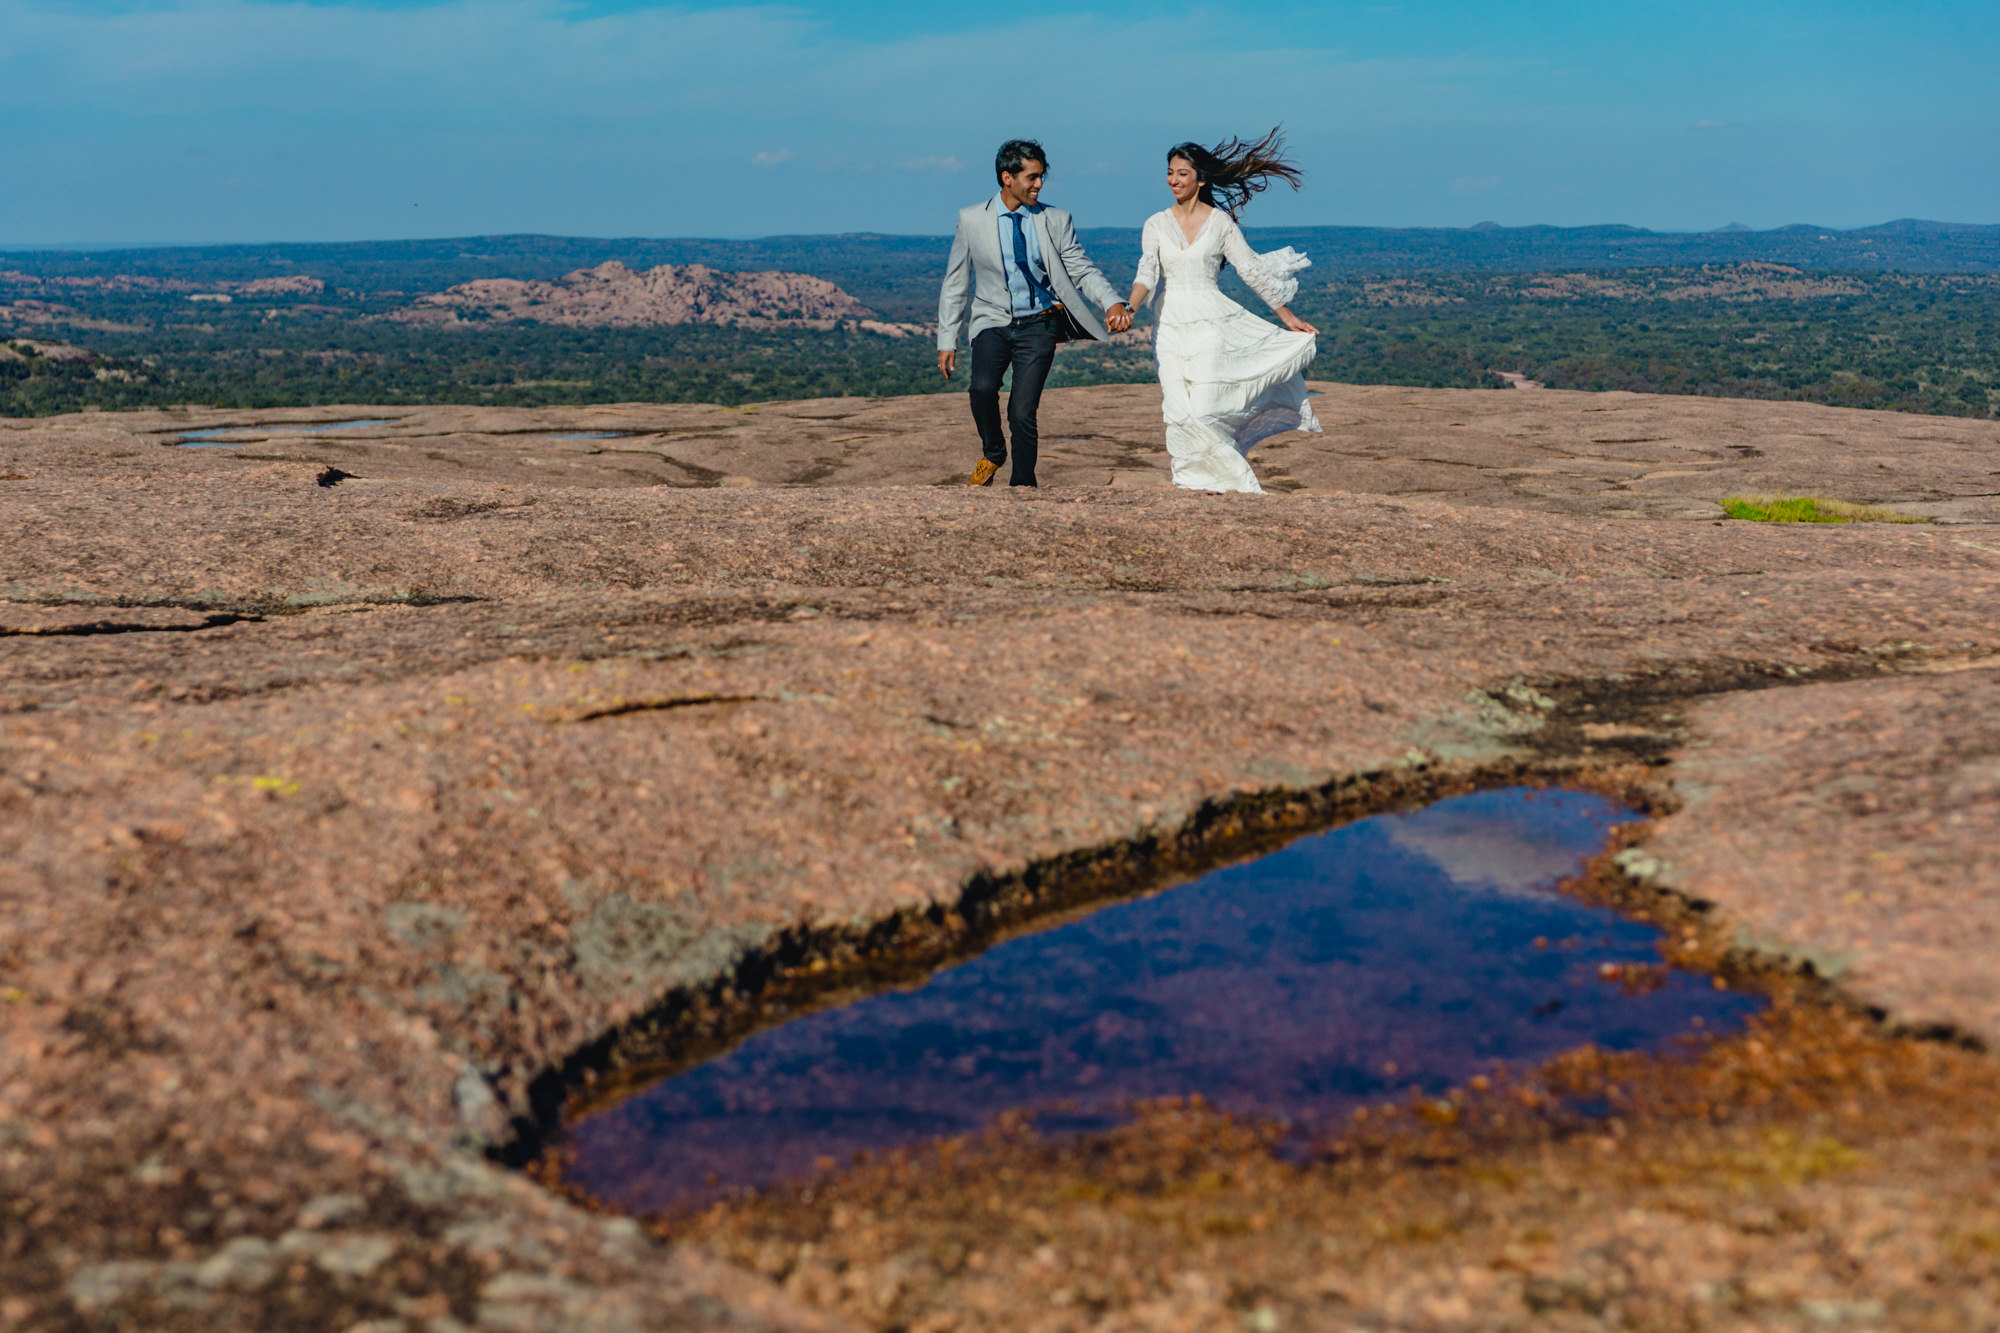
(1016, 153)
(1233, 171)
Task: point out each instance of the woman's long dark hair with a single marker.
(1233, 171)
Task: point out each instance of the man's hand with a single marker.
(1118, 318)
(947, 362)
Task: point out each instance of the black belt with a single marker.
(1037, 317)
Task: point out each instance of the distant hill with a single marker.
(897, 276)
(612, 296)
(1906, 246)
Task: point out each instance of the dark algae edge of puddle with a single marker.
(809, 969)
(1404, 952)
(804, 970)
(1763, 1182)
(1772, 1178)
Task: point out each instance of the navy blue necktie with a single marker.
(1035, 289)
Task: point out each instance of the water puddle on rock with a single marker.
(1405, 951)
(255, 434)
(597, 435)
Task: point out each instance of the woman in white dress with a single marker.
(1229, 378)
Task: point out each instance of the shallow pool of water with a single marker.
(211, 436)
(1404, 951)
(596, 435)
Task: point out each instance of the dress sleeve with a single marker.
(1149, 259)
(1273, 276)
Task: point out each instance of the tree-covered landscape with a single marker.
(259, 327)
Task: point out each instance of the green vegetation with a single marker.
(499, 364)
(505, 365)
(1912, 343)
(897, 275)
(1908, 344)
(1809, 509)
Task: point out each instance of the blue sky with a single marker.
(238, 120)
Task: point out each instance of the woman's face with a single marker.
(1182, 180)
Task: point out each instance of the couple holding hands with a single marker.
(1016, 284)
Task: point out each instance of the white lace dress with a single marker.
(1230, 379)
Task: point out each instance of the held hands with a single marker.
(1118, 319)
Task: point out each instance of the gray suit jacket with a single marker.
(976, 251)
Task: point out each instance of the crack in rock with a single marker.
(214, 620)
(619, 707)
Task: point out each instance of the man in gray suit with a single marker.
(1032, 277)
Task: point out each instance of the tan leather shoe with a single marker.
(983, 472)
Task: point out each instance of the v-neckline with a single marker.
(1187, 241)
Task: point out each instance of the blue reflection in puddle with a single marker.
(1405, 951)
(210, 436)
(597, 435)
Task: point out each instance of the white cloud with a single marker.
(588, 116)
(550, 115)
(1494, 854)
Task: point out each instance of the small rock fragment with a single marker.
(356, 1256)
(330, 1210)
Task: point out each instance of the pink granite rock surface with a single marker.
(351, 781)
(614, 296)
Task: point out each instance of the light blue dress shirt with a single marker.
(1026, 300)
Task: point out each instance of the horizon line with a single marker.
(1731, 228)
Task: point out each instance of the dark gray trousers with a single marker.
(1029, 348)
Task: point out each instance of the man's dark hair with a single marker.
(1014, 154)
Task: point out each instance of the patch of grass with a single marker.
(1809, 509)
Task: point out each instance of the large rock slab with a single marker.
(351, 781)
(1611, 454)
(1851, 825)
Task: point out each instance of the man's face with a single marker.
(1025, 184)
